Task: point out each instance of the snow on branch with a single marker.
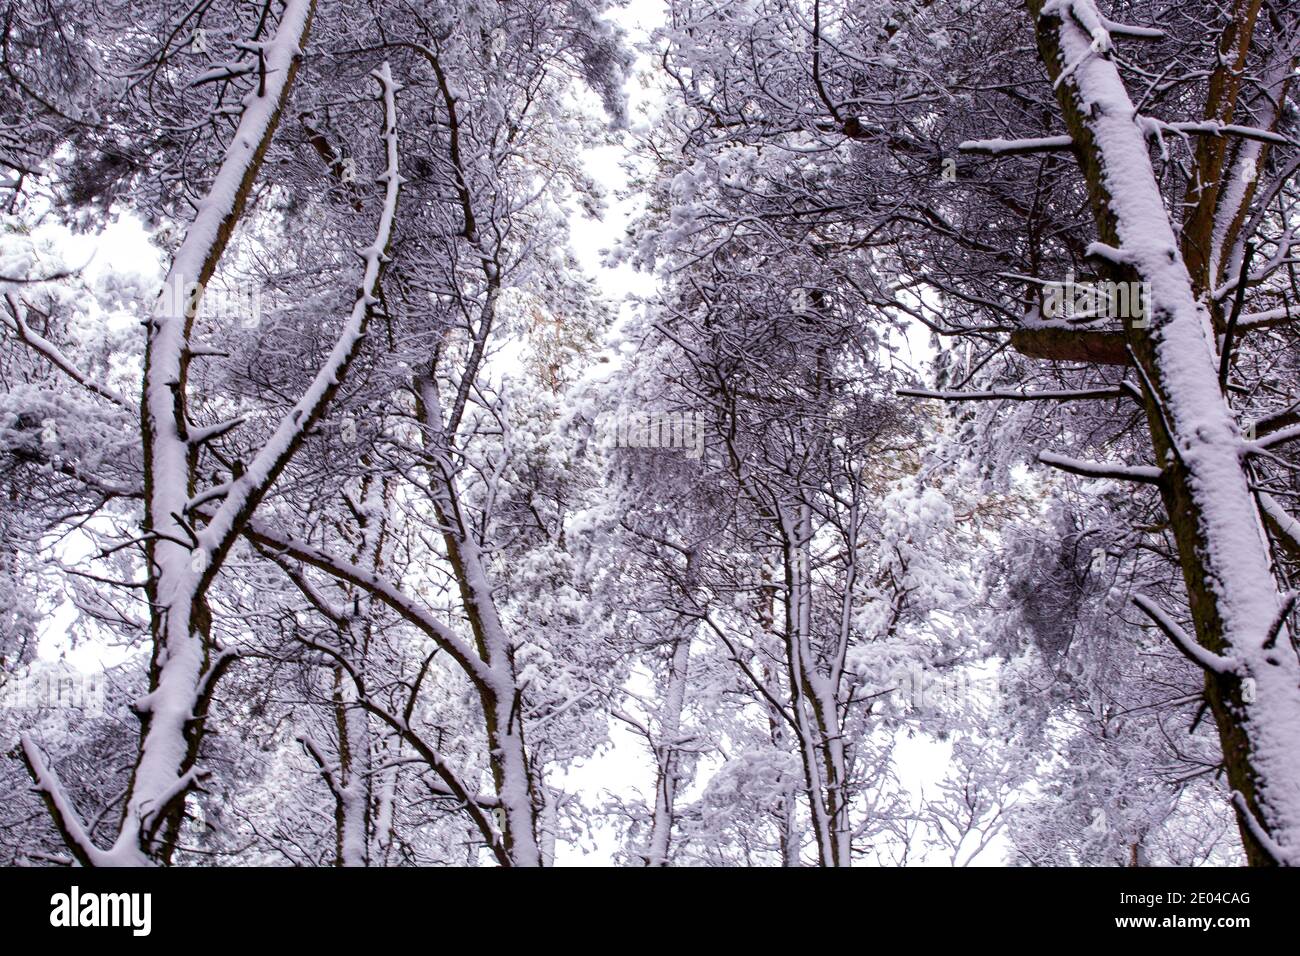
(1280, 521)
(1146, 474)
(1283, 315)
(1013, 147)
(201, 436)
(1215, 128)
(485, 800)
(167, 350)
(454, 785)
(1108, 253)
(1124, 390)
(161, 803)
(64, 814)
(1280, 437)
(385, 590)
(1197, 654)
(17, 321)
(243, 494)
(328, 769)
(1277, 420)
(1128, 30)
(1088, 18)
(1276, 851)
(223, 71)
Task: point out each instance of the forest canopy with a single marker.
(666, 432)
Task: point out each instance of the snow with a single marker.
(999, 146)
(582, 695)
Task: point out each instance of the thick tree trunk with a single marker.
(352, 814)
(179, 571)
(1253, 688)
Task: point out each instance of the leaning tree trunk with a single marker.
(1252, 679)
(184, 559)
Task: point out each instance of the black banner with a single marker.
(214, 906)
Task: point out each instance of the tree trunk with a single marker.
(1223, 552)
